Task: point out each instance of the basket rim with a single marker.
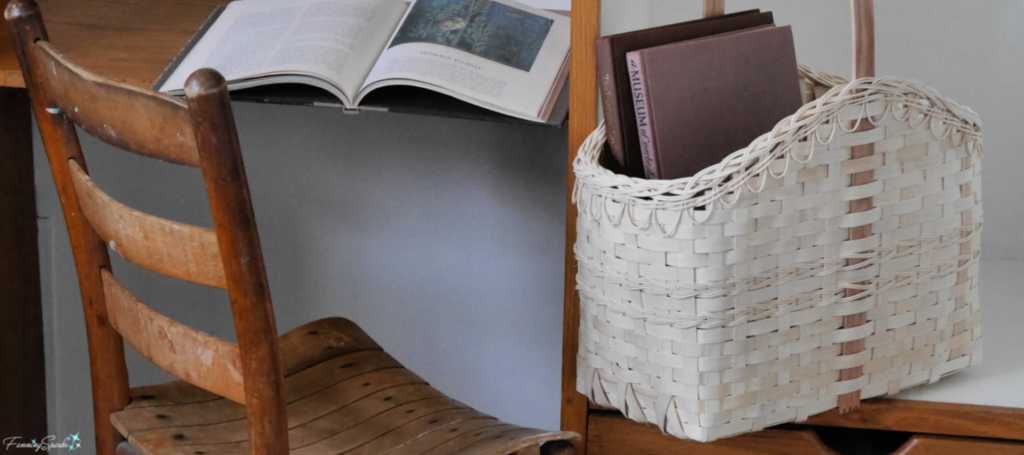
(748, 169)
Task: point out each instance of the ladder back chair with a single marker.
(323, 388)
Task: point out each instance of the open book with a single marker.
(497, 54)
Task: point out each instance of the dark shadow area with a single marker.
(396, 99)
(851, 441)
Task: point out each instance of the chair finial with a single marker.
(20, 9)
(204, 81)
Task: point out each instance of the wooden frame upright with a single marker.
(586, 26)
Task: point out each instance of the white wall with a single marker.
(444, 238)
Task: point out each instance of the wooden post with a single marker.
(714, 8)
(106, 348)
(586, 23)
(244, 270)
(863, 66)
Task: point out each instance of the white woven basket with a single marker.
(713, 305)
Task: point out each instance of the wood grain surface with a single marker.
(125, 116)
(612, 434)
(586, 23)
(175, 249)
(921, 417)
(128, 41)
(942, 445)
(204, 360)
(927, 417)
(108, 371)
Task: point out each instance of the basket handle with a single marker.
(863, 66)
(863, 33)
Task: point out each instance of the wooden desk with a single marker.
(127, 41)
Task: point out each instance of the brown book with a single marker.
(613, 76)
(699, 101)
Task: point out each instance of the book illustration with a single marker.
(485, 28)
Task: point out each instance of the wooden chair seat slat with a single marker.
(124, 116)
(175, 249)
(467, 428)
(464, 440)
(305, 384)
(511, 439)
(203, 360)
(399, 384)
(359, 402)
(177, 392)
(386, 417)
(445, 422)
(301, 348)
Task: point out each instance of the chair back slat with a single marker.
(206, 361)
(127, 117)
(175, 249)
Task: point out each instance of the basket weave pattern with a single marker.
(713, 305)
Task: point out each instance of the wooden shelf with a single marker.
(612, 434)
(918, 417)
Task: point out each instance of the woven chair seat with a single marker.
(345, 395)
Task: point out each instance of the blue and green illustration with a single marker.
(492, 30)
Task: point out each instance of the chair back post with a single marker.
(106, 349)
(235, 225)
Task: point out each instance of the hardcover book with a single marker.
(497, 54)
(613, 76)
(699, 101)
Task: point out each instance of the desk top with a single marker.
(130, 41)
(133, 41)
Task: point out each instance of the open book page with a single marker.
(255, 42)
(499, 54)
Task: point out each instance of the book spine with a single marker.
(641, 104)
(610, 99)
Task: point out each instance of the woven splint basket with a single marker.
(721, 304)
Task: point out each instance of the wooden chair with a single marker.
(323, 388)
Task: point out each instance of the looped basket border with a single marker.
(749, 169)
